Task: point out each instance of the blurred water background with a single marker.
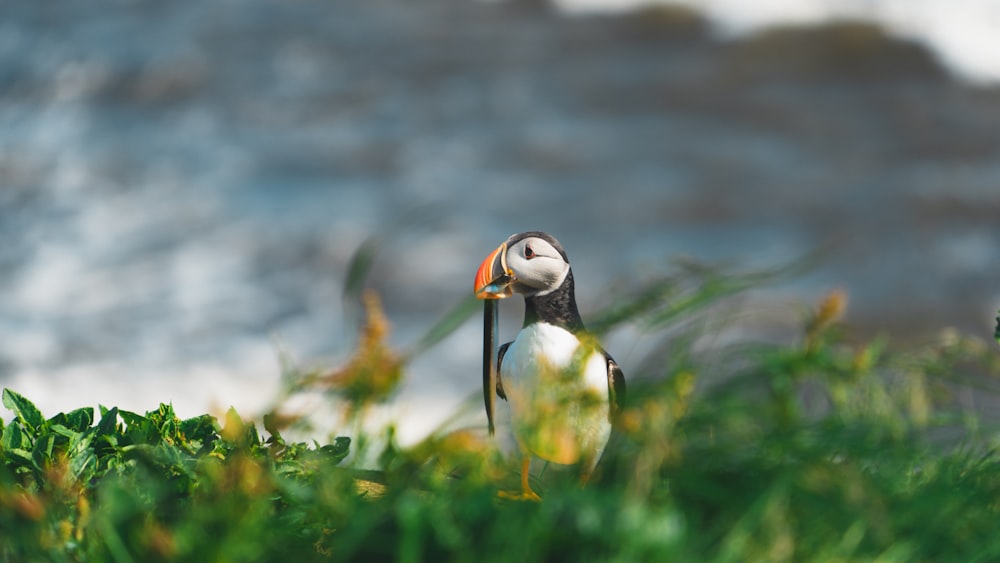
(182, 184)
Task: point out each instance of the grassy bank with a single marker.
(817, 449)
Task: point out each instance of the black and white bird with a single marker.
(563, 389)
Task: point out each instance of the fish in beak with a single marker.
(494, 280)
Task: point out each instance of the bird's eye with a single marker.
(528, 252)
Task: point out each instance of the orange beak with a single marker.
(494, 279)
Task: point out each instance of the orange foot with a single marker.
(526, 493)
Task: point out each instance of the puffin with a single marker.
(563, 389)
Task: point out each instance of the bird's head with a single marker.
(532, 263)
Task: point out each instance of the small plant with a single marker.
(139, 487)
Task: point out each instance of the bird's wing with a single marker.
(616, 388)
(500, 354)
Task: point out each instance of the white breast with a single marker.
(558, 394)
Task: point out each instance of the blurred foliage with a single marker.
(820, 449)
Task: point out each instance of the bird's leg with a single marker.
(526, 492)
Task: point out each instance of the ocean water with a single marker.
(182, 185)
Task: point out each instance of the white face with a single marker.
(537, 266)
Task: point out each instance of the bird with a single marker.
(564, 391)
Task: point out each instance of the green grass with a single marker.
(823, 449)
